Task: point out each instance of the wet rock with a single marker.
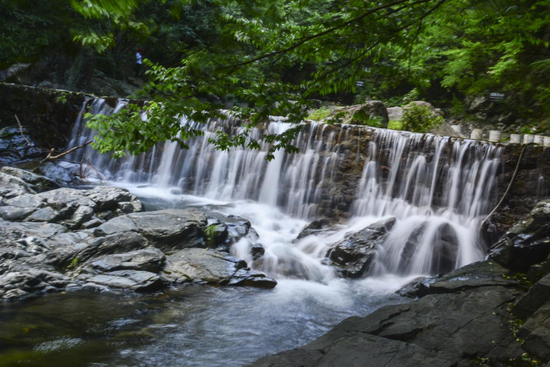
(537, 296)
(23, 281)
(257, 251)
(150, 259)
(139, 281)
(527, 242)
(213, 267)
(64, 173)
(353, 255)
(536, 333)
(476, 275)
(444, 244)
(437, 330)
(171, 229)
(197, 264)
(314, 227)
(37, 182)
(252, 278)
(216, 233)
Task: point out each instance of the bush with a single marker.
(320, 114)
(420, 119)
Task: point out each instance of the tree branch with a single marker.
(21, 129)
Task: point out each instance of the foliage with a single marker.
(395, 125)
(276, 56)
(319, 114)
(210, 233)
(420, 118)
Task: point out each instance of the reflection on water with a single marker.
(191, 326)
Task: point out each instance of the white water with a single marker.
(437, 188)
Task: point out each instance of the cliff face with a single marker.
(48, 117)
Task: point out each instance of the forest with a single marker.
(284, 57)
(272, 183)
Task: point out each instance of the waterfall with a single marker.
(437, 188)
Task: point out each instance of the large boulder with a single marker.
(172, 229)
(353, 255)
(37, 182)
(212, 267)
(372, 113)
(527, 243)
(448, 330)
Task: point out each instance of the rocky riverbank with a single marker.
(100, 238)
(491, 313)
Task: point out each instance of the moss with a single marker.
(395, 125)
(319, 114)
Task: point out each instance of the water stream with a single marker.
(437, 188)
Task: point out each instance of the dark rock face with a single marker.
(437, 330)
(353, 255)
(463, 318)
(314, 227)
(100, 239)
(527, 242)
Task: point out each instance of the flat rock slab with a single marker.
(213, 267)
(139, 281)
(476, 275)
(437, 330)
(172, 229)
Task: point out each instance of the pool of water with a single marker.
(190, 326)
(197, 325)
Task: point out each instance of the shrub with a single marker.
(420, 119)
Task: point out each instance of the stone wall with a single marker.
(48, 117)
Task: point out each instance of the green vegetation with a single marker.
(319, 114)
(210, 233)
(419, 118)
(395, 125)
(277, 56)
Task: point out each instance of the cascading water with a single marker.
(437, 188)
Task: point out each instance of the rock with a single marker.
(108, 198)
(111, 244)
(92, 223)
(66, 198)
(171, 229)
(536, 333)
(445, 248)
(257, 251)
(437, 330)
(14, 184)
(24, 281)
(372, 113)
(537, 296)
(252, 278)
(81, 215)
(527, 242)
(216, 233)
(213, 267)
(150, 259)
(115, 225)
(395, 113)
(197, 264)
(314, 227)
(13, 213)
(46, 214)
(38, 183)
(475, 275)
(353, 255)
(139, 281)
(63, 172)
